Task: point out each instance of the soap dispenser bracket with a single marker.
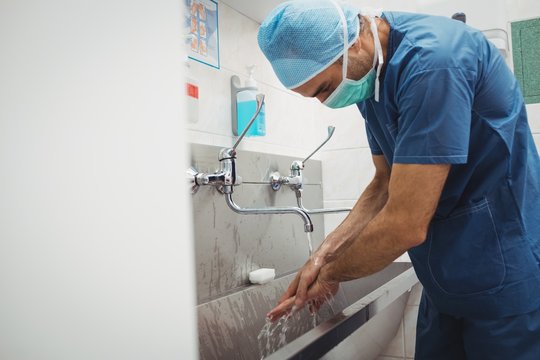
(236, 87)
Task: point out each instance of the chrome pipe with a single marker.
(308, 224)
(319, 211)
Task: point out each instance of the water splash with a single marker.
(313, 312)
(263, 338)
(268, 343)
(267, 340)
(283, 332)
(331, 301)
(273, 335)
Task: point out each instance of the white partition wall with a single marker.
(96, 258)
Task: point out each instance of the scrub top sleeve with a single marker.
(435, 117)
(373, 144)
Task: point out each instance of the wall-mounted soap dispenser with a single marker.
(244, 104)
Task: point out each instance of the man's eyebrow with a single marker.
(319, 89)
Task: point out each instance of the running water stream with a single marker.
(310, 244)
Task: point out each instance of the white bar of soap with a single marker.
(262, 276)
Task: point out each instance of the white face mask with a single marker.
(353, 91)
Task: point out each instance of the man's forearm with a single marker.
(366, 208)
(377, 245)
(403, 222)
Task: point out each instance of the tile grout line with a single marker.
(403, 334)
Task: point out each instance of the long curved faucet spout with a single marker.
(308, 224)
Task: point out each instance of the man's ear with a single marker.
(356, 46)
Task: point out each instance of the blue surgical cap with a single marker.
(301, 38)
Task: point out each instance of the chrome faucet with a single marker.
(226, 178)
(296, 181)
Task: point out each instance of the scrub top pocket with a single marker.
(465, 256)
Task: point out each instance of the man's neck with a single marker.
(383, 29)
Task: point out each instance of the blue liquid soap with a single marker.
(246, 105)
(245, 111)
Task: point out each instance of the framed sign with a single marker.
(526, 52)
(202, 28)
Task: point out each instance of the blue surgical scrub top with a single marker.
(448, 97)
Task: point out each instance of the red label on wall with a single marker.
(192, 91)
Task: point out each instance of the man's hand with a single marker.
(320, 290)
(304, 278)
(396, 223)
(370, 203)
(332, 246)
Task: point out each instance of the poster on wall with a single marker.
(201, 22)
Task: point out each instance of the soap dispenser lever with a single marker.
(260, 103)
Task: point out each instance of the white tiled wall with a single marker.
(292, 127)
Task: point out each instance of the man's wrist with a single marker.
(324, 256)
(332, 247)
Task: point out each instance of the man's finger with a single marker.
(282, 309)
(311, 307)
(308, 276)
(317, 304)
(322, 292)
(291, 290)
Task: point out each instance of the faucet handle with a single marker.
(191, 176)
(331, 130)
(276, 180)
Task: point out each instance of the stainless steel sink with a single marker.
(358, 324)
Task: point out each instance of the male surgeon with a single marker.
(457, 180)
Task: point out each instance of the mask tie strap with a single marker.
(345, 40)
(378, 48)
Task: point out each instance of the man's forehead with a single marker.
(316, 85)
